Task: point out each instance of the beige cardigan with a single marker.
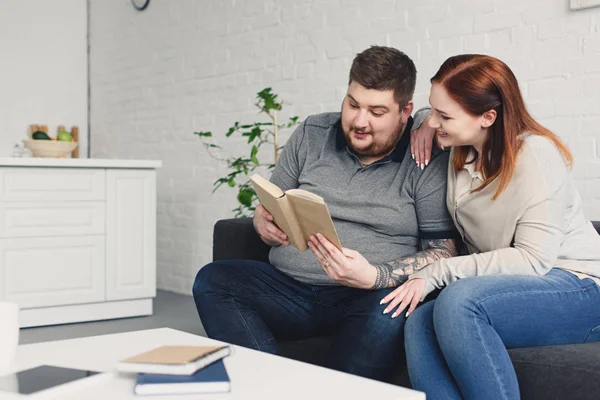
(536, 223)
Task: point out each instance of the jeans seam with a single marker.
(590, 334)
(245, 323)
(487, 353)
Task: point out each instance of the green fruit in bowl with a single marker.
(39, 135)
(64, 136)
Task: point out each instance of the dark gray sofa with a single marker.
(552, 372)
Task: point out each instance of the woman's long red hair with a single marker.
(482, 83)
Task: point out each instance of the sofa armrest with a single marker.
(236, 239)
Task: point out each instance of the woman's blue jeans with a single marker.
(456, 344)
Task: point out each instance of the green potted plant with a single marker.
(259, 134)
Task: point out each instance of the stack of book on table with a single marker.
(179, 370)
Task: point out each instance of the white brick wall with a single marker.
(192, 65)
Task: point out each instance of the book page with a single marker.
(306, 194)
(280, 209)
(266, 185)
(313, 217)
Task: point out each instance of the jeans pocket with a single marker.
(594, 335)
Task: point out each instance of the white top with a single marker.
(254, 375)
(468, 179)
(537, 223)
(77, 162)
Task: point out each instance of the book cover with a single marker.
(174, 360)
(211, 379)
(297, 212)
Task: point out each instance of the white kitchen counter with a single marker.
(78, 162)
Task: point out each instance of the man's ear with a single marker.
(488, 118)
(407, 111)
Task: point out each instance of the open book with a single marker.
(297, 212)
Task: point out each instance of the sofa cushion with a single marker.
(558, 372)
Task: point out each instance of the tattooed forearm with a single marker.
(396, 272)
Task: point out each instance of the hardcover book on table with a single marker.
(174, 360)
(211, 379)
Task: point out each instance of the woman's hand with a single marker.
(421, 143)
(348, 267)
(408, 295)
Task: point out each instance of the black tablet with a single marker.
(41, 378)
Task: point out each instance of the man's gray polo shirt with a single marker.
(382, 210)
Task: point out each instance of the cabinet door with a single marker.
(52, 219)
(130, 234)
(51, 184)
(43, 272)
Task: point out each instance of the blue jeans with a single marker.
(251, 303)
(456, 345)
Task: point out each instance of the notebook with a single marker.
(212, 379)
(174, 360)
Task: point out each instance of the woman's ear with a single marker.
(488, 118)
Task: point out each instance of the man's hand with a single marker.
(408, 295)
(421, 143)
(349, 267)
(266, 228)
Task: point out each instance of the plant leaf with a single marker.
(253, 155)
(254, 133)
(234, 128)
(245, 197)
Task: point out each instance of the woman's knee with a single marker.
(460, 293)
(459, 302)
(419, 321)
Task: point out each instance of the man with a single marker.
(388, 210)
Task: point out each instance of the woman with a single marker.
(533, 266)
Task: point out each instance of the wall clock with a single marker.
(140, 4)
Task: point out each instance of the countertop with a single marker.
(78, 162)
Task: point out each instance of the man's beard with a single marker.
(375, 149)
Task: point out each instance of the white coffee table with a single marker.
(254, 375)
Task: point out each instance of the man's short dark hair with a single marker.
(385, 68)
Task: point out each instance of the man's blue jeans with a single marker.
(251, 303)
(456, 345)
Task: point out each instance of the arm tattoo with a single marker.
(396, 272)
